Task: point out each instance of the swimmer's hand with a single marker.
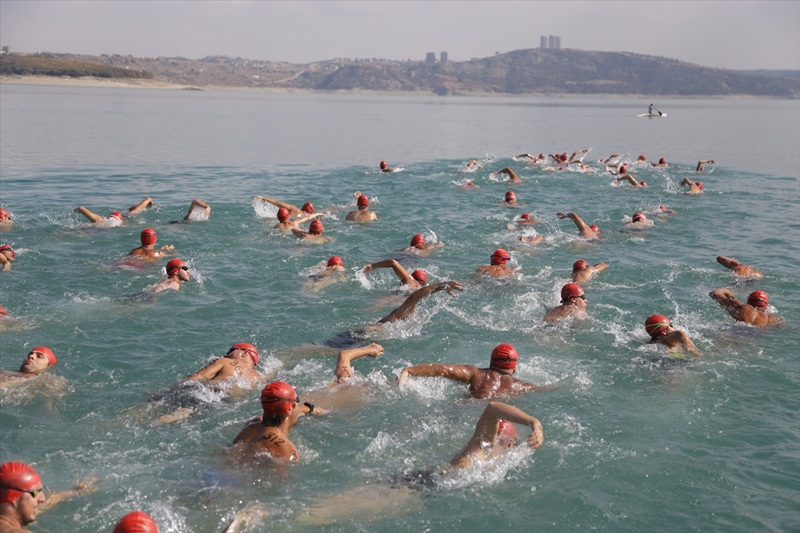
(536, 438)
(402, 379)
(451, 285)
(376, 350)
(86, 486)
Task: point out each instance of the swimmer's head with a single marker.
(278, 398)
(511, 197)
(47, 352)
(579, 265)
(115, 214)
(148, 236)
(656, 325)
(643, 183)
(17, 476)
(420, 276)
(363, 201)
(623, 169)
(418, 241)
(175, 264)
(383, 165)
(308, 207)
(136, 522)
(662, 208)
(283, 214)
(758, 299)
(595, 228)
(642, 158)
(506, 433)
(571, 291)
(525, 216)
(3, 311)
(504, 357)
(541, 156)
(638, 216)
(662, 161)
(4, 215)
(251, 350)
(500, 257)
(6, 248)
(335, 260)
(316, 228)
(699, 185)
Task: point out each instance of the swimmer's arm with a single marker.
(727, 262)
(209, 371)
(411, 302)
(308, 217)
(278, 203)
(687, 181)
(725, 298)
(463, 373)
(83, 487)
(496, 411)
(399, 271)
(599, 267)
(581, 225)
(95, 218)
(201, 204)
(141, 206)
(699, 167)
(344, 369)
(297, 232)
(5, 262)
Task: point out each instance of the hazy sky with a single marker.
(724, 34)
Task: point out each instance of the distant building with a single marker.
(554, 42)
(430, 58)
(443, 57)
(543, 41)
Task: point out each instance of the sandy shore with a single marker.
(66, 81)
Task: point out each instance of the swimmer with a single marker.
(136, 522)
(512, 176)
(113, 220)
(525, 219)
(5, 219)
(147, 203)
(467, 185)
(473, 165)
(497, 380)
(177, 274)
(639, 221)
(510, 199)
(22, 496)
(314, 233)
(325, 276)
(630, 179)
(198, 211)
(586, 231)
(7, 254)
(662, 163)
(498, 267)
(407, 308)
(38, 360)
(661, 331)
(582, 271)
(386, 168)
(695, 187)
(147, 252)
(419, 246)
(363, 214)
(286, 224)
(532, 159)
(270, 432)
(573, 303)
(700, 167)
(413, 280)
(739, 269)
(641, 160)
(663, 211)
(307, 209)
(608, 159)
(753, 312)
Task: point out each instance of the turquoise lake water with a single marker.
(629, 446)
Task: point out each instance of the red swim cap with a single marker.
(174, 264)
(579, 265)
(571, 290)
(700, 185)
(251, 350)
(656, 325)
(662, 161)
(595, 228)
(115, 214)
(316, 227)
(148, 236)
(662, 208)
(418, 241)
(506, 433)
(525, 216)
(643, 183)
(642, 158)
(47, 352)
(3, 311)
(500, 257)
(363, 201)
(17, 475)
(758, 299)
(383, 165)
(283, 214)
(308, 207)
(638, 216)
(136, 522)
(277, 398)
(420, 276)
(6, 247)
(510, 196)
(335, 260)
(504, 356)
(4, 214)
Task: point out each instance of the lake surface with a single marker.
(629, 446)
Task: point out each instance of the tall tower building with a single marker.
(543, 42)
(443, 57)
(430, 58)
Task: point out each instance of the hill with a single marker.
(533, 71)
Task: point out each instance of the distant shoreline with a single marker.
(139, 83)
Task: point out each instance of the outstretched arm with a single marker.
(687, 181)
(197, 203)
(278, 203)
(486, 432)
(699, 167)
(579, 223)
(141, 206)
(82, 487)
(344, 368)
(461, 373)
(414, 298)
(627, 177)
(94, 217)
(208, 372)
(728, 262)
(401, 272)
(726, 299)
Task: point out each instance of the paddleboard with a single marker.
(652, 115)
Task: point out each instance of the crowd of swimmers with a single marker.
(22, 493)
